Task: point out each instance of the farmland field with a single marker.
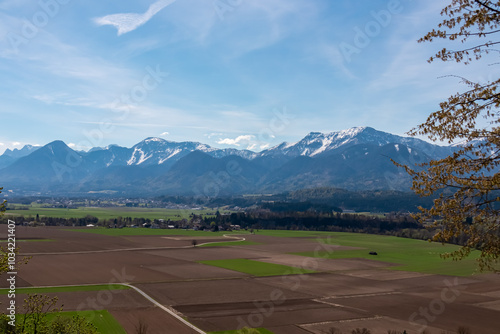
(230, 243)
(260, 330)
(149, 231)
(29, 240)
(234, 284)
(409, 254)
(107, 213)
(256, 268)
(101, 319)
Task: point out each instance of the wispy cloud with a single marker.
(213, 134)
(128, 22)
(226, 76)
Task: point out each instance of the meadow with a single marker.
(409, 254)
(101, 319)
(256, 268)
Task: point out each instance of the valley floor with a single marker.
(217, 295)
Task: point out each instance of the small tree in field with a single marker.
(72, 325)
(36, 308)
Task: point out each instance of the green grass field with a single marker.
(411, 255)
(102, 320)
(66, 289)
(108, 213)
(256, 268)
(261, 331)
(233, 243)
(149, 231)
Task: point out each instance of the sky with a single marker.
(248, 74)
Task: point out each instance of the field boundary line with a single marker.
(145, 295)
(363, 295)
(338, 305)
(304, 326)
(166, 309)
(130, 249)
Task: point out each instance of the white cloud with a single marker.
(165, 134)
(72, 145)
(128, 22)
(236, 141)
(2, 144)
(16, 143)
(62, 99)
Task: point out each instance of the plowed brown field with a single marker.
(345, 293)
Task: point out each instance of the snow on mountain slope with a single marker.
(317, 143)
(158, 151)
(356, 158)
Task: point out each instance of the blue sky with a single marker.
(229, 73)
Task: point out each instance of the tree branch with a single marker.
(487, 6)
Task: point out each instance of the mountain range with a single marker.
(353, 159)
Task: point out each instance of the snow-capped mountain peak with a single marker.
(154, 139)
(355, 158)
(317, 143)
(158, 151)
